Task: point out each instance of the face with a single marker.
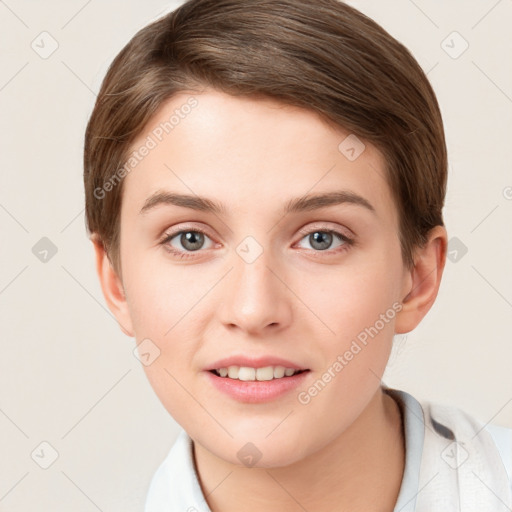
(284, 257)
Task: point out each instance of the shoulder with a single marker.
(452, 423)
(463, 426)
(468, 459)
(453, 461)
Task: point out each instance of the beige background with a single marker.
(68, 375)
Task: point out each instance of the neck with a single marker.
(360, 470)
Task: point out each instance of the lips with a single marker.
(255, 380)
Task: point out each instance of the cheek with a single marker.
(161, 308)
(158, 295)
(359, 306)
(352, 298)
(166, 308)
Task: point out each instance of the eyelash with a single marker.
(347, 242)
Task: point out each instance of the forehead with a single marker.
(251, 154)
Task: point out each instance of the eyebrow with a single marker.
(300, 204)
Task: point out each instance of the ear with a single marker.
(423, 280)
(112, 288)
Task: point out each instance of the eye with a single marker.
(186, 241)
(322, 239)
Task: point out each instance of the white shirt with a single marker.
(452, 463)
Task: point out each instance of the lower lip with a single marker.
(256, 391)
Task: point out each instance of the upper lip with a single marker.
(253, 362)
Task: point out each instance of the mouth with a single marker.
(256, 380)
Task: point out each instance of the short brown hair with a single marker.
(324, 56)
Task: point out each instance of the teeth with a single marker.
(279, 372)
(266, 373)
(246, 373)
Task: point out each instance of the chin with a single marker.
(251, 448)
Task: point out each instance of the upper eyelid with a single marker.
(318, 226)
(168, 234)
(348, 233)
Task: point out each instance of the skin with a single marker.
(344, 449)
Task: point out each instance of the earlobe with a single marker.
(423, 281)
(112, 288)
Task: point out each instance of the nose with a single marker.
(255, 297)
